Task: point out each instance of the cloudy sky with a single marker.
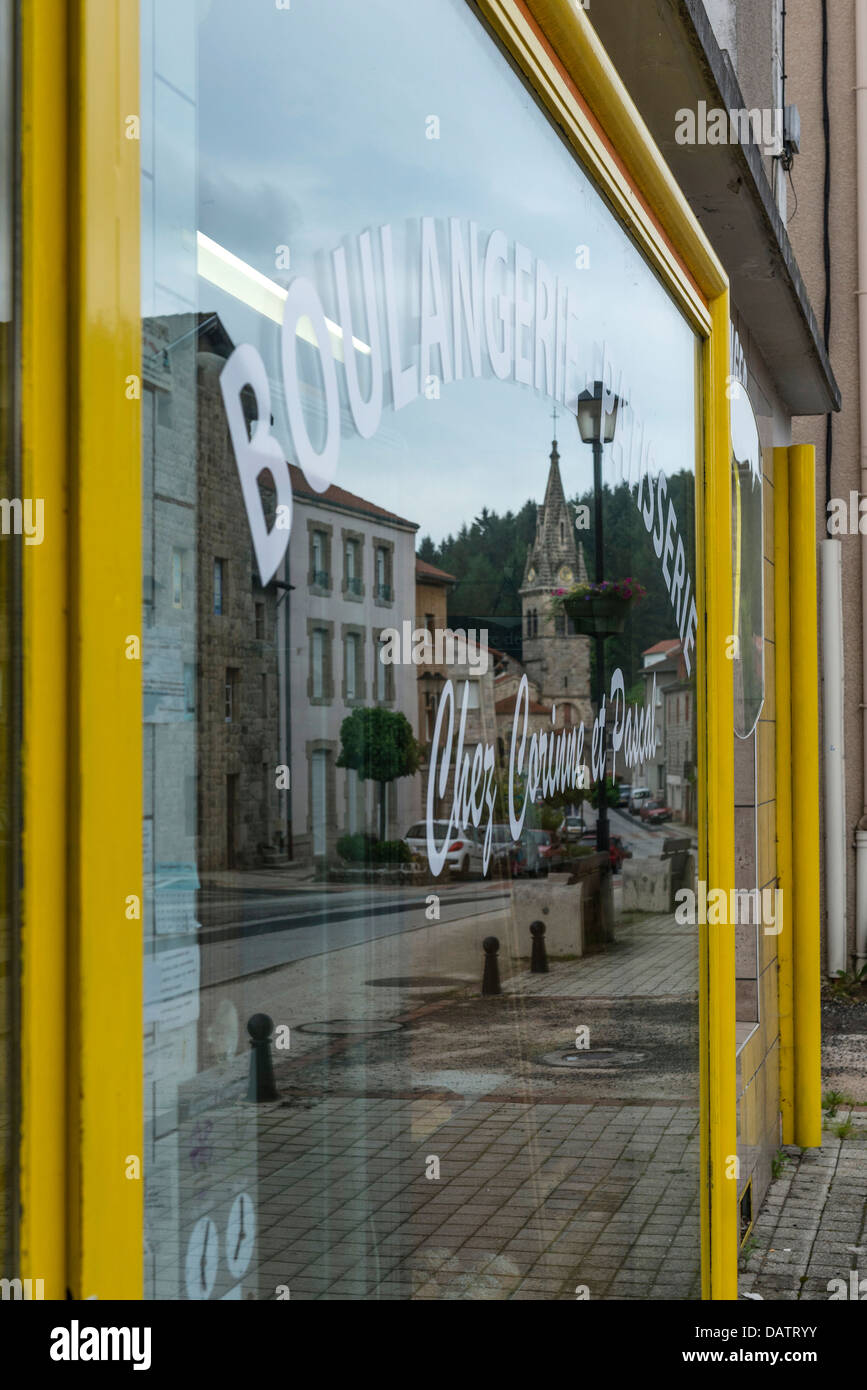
(306, 127)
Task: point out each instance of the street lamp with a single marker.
(597, 424)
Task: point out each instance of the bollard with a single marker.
(261, 1087)
(538, 955)
(491, 976)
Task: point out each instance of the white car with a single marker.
(638, 798)
(464, 854)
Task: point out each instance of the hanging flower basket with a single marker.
(599, 610)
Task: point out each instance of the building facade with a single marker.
(825, 79)
(352, 572)
(416, 357)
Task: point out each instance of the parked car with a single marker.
(623, 793)
(617, 850)
(504, 850)
(637, 797)
(655, 812)
(573, 828)
(550, 850)
(464, 853)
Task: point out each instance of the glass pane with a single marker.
(747, 563)
(366, 322)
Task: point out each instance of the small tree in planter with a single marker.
(379, 745)
(599, 609)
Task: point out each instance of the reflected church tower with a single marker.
(556, 661)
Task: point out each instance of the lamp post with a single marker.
(597, 421)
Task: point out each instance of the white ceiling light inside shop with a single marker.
(234, 276)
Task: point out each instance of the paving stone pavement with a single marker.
(530, 1202)
(653, 957)
(812, 1227)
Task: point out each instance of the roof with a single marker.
(507, 706)
(345, 501)
(430, 574)
(669, 645)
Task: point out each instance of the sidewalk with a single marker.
(813, 1225)
(460, 1147)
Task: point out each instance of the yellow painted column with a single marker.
(783, 708)
(806, 970)
(44, 474)
(717, 830)
(105, 1058)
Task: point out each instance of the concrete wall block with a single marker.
(557, 904)
(647, 885)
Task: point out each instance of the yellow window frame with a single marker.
(82, 952)
(81, 1207)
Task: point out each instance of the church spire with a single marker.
(554, 552)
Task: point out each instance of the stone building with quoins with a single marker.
(210, 664)
(240, 812)
(556, 661)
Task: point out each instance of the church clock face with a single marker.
(531, 575)
(564, 574)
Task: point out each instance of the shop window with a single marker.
(403, 468)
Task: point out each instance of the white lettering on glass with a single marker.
(551, 765)
(508, 314)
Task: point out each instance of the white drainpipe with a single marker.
(861, 182)
(833, 756)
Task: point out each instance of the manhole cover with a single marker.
(420, 982)
(350, 1027)
(593, 1059)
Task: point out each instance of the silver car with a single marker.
(463, 854)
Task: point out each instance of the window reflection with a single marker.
(383, 683)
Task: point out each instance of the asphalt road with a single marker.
(271, 928)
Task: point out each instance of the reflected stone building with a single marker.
(238, 704)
